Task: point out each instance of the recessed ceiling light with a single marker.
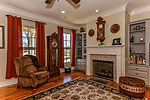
(97, 10)
(63, 12)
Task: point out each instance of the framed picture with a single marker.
(2, 41)
(116, 41)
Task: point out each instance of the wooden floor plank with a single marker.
(13, 93)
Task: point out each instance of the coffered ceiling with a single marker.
(77, 16)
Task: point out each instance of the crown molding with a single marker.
(106, 13)
(21, 12)
(128, 9)
(140, 10)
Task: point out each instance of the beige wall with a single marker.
(140, 16)
(49, 29)
(3, 52)
(118, 18)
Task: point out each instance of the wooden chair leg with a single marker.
(48, 80)
(33, 89)
(18, 85)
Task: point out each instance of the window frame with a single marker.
(67, 48)
(28, 47)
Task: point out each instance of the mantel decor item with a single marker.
(82, 29)
(141, 40)
(101, 43)
(132, 39)
(2, 40)
(116, 41)
(91, 32)
(115, 28)
(100, 29)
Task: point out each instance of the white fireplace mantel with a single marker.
(115, 50)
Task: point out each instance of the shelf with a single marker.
(137, 42)
(137, 52)
(138, 65)
(137, 31)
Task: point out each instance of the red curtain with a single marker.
(14, 44)
(60, 48)
(73, 42)
(40, 42)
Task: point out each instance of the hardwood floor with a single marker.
(13, 93)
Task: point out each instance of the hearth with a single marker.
(103, 69)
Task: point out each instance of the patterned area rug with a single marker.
(81, 89)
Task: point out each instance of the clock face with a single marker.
(54, 43)
(100, 26)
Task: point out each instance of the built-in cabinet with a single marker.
(81, 52)
(138, 50)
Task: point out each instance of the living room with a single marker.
(100, 33)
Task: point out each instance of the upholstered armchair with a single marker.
(28, 74)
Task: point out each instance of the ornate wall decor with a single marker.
(115, 28)
(91, 32)
(82, 29)
(100, 29)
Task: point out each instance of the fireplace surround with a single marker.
(105, 53)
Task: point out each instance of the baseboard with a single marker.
(8, 82)
(14, 80)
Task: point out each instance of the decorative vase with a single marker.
(101, 43)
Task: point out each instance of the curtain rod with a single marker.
(67, 28)
(28, 20)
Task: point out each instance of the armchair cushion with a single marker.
(27, 74)
(30, 68)
(26, 61)
(43, 68)
(42, 74)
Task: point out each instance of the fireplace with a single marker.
(103, 69)
(106, 53)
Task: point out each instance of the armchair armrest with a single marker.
(30, 74)
(42, 68)
(27, 74)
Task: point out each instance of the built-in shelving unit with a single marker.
(81, 52)
(139, 43)
(79, 46)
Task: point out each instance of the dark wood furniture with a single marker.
(132, 86)
(52, 55)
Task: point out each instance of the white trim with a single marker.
(21, 12)
(8, 82)
(109, 12)
(12, 81)
(140, 10)
(128, 9)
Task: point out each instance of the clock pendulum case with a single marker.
(100, 29)
(52, 55)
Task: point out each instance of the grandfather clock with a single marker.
(52, 55)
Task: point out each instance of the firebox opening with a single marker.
(103, 69)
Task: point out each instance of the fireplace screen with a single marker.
(103, 69)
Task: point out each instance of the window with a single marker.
(29, 41)
(67, 48)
